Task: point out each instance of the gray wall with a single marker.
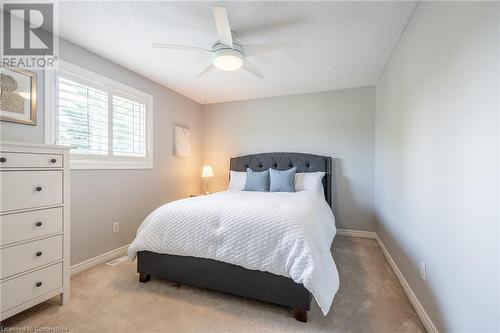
(338, 124)
(101, 197)
(437, 162)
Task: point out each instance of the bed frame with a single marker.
(233, 279)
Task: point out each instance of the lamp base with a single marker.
(206, 186)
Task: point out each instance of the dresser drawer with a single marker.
(19, 258)
(27, 160)
(26, 189)
(29, 286)
(24, 226)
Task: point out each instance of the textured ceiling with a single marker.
(343, 44)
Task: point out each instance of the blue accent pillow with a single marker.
(282, 181)
(257, 181)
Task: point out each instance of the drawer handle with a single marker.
(38, 284)
(38, 224)
(53, 160)
(38, 188)
(3, 159)
(39, 254)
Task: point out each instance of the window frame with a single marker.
(112, 88)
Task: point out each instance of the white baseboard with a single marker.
(356, 233)
(100, 259)
(419, 309)
(422, 314)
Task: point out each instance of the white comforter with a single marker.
(287, 234)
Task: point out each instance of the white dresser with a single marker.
(34, 232)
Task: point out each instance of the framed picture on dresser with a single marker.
(17, 95)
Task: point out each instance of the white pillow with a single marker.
(309, 181)
(237, 180)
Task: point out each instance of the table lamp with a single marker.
(206, 173)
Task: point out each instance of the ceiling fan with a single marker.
(227, 52)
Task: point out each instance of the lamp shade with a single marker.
(207, 171)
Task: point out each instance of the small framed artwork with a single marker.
(182, 142)
(17, 95)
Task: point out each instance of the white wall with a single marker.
(437, 161)
(338, 124)
(101, 197)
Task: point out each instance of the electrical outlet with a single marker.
(422, 270)
(348, 213)
(116, 227)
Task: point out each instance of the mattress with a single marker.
(288, 234)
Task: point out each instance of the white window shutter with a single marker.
(109, 124)
(129, 128)
(82, 118)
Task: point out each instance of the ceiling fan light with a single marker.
(227, 60)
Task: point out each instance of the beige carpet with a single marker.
(110, 299)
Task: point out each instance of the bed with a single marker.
(200, 251)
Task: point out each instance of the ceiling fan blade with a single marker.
(251, 68)
(256, 49)
(209, 68)
(222, 26)
(178, 47)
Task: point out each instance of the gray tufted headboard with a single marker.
(284, 161)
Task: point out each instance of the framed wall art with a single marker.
(182, 142)
(17, 95)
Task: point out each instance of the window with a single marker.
(108, 124)
(82, 118)
(129, 127)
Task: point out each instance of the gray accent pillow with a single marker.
(282, 181)
(257, 181)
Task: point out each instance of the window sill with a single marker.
(103, 165)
